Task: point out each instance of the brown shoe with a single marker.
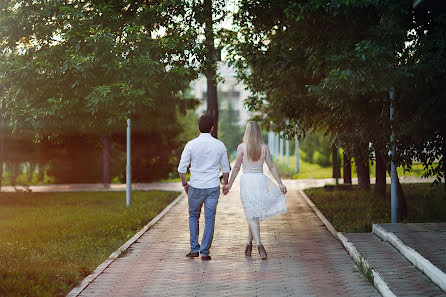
(262, 252)
(248, 250)
(193, 255)
(206, 258)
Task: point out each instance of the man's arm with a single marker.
(225, 178)
(182, 167)
(184, 182)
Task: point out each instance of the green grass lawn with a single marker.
(308, 170)
(49, 242)
(356, 211)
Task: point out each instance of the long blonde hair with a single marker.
(253, 141)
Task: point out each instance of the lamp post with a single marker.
(281, 148)
(129, 167)
(297, 154)
(393, 173)
(270, 141)
(287, 152)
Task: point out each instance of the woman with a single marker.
(261, 198)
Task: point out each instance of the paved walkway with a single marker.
(176, 186)
(304, 258)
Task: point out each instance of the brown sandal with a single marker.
(248, 250)
(262, 252)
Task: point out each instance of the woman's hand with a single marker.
(226, 188)
(282, 189)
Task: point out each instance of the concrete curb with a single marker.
(320, 215)
(433, 272)
(378, 282)
(90, 278)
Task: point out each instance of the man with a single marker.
(205, 154)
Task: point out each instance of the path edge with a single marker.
(378, 282)
(321, 216)
(92, 276)
(437, 276)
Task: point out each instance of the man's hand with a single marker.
(186, 188)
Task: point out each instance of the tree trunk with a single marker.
(41, 172)
(31, 170)
(444, 160)
(362, 168)
(14, 169)
(2, 150)
(212, 101)
(380, 185)
(106, 159)
(336, 168)
(347, 168)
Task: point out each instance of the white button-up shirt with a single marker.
(204, 154)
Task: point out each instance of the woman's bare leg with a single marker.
(250, 238)
(254, 227)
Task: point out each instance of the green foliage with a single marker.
(329, 65)
(317, 149)
(49, 242)
(73, 71)
(357, 210)
(91, 64)
(229, 130)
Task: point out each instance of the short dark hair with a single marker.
(205, 123)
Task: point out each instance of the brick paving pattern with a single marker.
(417, 235)
(304, 258)
(401, 276)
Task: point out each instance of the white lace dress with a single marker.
(261, 197)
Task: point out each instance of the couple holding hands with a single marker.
(260, 196)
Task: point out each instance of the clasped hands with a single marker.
(226, 188)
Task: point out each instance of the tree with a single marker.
(83, 67)
(420, 118)
(337, 60)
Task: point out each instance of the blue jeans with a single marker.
(198, 197)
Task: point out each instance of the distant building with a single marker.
(229, 91)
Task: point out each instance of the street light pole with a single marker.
(270, 142)
(281, 148)
(129, 167)
(287, 152)
(393, 173)
(297, 154)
